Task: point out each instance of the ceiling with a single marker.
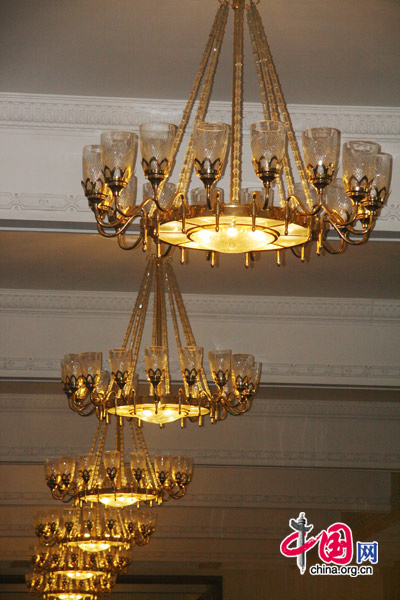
(86, 48)
(321, 436)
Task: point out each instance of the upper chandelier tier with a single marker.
(288, 212)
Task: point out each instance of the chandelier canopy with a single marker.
(89, 388)
(290, 211)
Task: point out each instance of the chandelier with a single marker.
(59, 573)
(94, 528)
(288, 212)
(90, 388)
(104, 475)
(77, 564)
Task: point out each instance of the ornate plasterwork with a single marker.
(219, 306)
(85, 112)
(231, 456)
(37, 367)
(264, 407)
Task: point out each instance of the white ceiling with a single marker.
(326, 52)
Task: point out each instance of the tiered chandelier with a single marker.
(286, 214)
(105, 476)
(93, 528)
(61, 574)
(89, 388)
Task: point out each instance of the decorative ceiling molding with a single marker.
(86, 112)
(11, 367)
(262, 407)
(222, 307)
(229, 456)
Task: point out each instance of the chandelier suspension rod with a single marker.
(215, 31)
(190, 340)
(99, 453)
(277, 90)
(237, 102)
(138, 308)
(144, 450)
(204, 99)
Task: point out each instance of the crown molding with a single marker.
(262, 407)
(40, 111)
(223, 307)
(51, 209)
(275, 372)
(229, 456)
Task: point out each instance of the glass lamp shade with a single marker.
(155, 361)
(66, 468)
(210, 145)
(51, 472)
(120, 360)
(103, 382)
(162, 467)
(167, 193)
(138, 465)
(321, 148)
(268, 141)
(181, 469)
(86, 463)
(220, 365)
(191, 357)
(156, 144)
(111, 460)
(72, 365)
(359, 165)
(118, 155)
(127, 198)
(242, 367)
(147, 519)
(256, 374)
(92, 175)
(90, 363)
(382, 177)
(70, 519)
(337, 201)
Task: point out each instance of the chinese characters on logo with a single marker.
(335, 545)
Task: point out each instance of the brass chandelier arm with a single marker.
(349, 240)
(331, 250)
(122, 244)
(187, 167)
